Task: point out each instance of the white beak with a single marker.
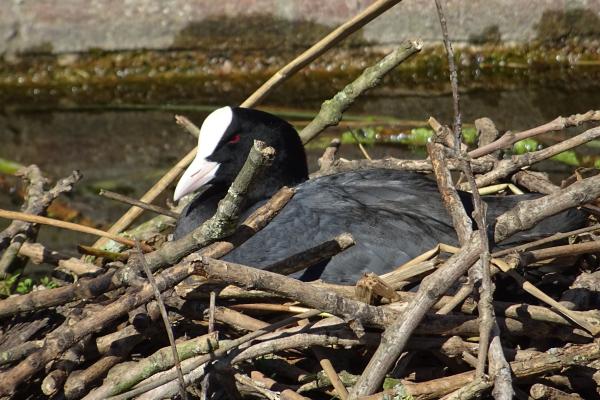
(198, 174)
(201, 171)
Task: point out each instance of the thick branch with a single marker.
(332, 110)
(397, 334)
(528, 213)
(557, 124)
(508, 166)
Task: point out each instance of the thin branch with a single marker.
(529, 212)
(513, 164)
(331, 110)
(397, 334)
(557, 124)
(328, 368)
(134, 202)
(165, 318)
(479, 166)
(164, 182)
(188, 125)
(304, 259)
(549, 239)
(88, 288)
(311, 54)
(316, 50)
(194, 368)
(36, 219)
(453, 78)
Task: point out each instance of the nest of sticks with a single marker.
(160, 319)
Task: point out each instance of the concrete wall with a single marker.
(60, 26)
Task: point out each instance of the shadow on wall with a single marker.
(255, 33)
(557, 26)
(490, 34)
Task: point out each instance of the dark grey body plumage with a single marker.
(392, 215)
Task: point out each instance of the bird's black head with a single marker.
(225, 139)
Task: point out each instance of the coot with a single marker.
(392, 215)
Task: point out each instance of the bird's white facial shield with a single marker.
(201, 170)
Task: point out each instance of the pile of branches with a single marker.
(168, 318)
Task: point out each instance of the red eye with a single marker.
(234, 139)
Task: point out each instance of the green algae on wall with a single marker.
(152, 77)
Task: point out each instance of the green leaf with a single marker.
(48, 282)
(25, 286)
(469, 135)
(525, 146)
(568, 157)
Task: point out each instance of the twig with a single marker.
(331, 110)
(508, 268)
(134, 212)
(238, 320)
(54, 381)
(452, 203)
(36, 219)
(298, 340)
(134, 202)
(326, 160)
(453, 78)
(188, 125)
(195, 366)
(370, 286)
(36, 202)
(360, 145)
(165, 318)
(35, 192)
(87, 288)
(38, 254)
(499, 368)
(158, 361)
(211, 311)
(508, 166)
(312, 256)
(245, 381)
(463, 292)
(486, 133)
(396, 335)
(539, 391)
(553, 360)
(328, 368)
(478, 165)
(286, 392)
(549, 239)
(16, 353)
(557, 124)
(560, 251)
(105, 254)
(470, 391)
(486, 310)
(529, 212)
(65, 336)
(11, 252)
(340, 33)
(308, 294)
(534, 181)
(539, 182)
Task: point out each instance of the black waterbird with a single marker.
(392, 215)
